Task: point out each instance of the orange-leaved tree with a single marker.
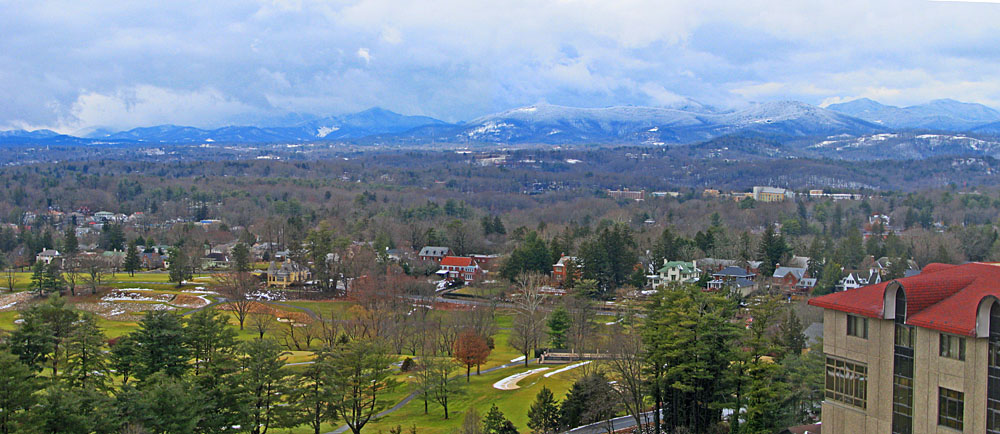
(471, 350)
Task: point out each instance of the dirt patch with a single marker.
(190, 301)
(121, 311)
(10, 302)
(294, 316)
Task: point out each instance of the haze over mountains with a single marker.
(683, 123)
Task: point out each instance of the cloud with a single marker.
(363, 54)
(149, 105)
(72, 65)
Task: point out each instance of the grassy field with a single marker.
(479, 393)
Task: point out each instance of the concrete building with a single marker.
(770, 194)
(919, 354)
(636, 195)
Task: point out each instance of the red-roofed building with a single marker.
(919, 354)
(460, 268)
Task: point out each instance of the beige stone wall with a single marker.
(876, 352)
(930, 372)
(933, 371)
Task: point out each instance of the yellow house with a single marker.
(287, 274)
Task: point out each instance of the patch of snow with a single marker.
(325, 131)
(573, 366)
(517, 359)
(510, 383)
(573, 161)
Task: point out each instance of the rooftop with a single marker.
(942, 297)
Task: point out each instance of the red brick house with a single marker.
(460, 268)
(433, 253)
(559, 269)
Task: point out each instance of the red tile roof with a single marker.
(942, 297)
(456, 261)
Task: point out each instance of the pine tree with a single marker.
(792, 338)
(18, 385)
(131, 263)
(543, 416)
(241, 258)
(498, 227)
(38, 282)
(558, 323)
(70, 243)
(180, 269)
(496, 423)
(86, 363)
(162, 345)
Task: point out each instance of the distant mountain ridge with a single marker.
(940, 115)
(683, 122)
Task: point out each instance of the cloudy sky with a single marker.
(78, 65)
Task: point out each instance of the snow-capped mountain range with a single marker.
(683, 123)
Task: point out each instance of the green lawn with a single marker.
(480, 394)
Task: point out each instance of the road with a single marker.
(618, 423)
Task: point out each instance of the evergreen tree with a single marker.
(164, 404)
(311, 397)
(792, 338)
(131, 263)
(180, 268)
(241, 258)
(587, 402)
(38, 280)
(610, 257)
(690, 341)
(816, 257)
(123, 357)
(61, 409)
(559, 323)
(897, 268)
(18, 385)
(496, 423)
(161, 346)
(543, 415)
(852, 250)
(87, 364)
(70, 243)
(667, 247)
(532, 256)
(361, 376)
(265, 382)
(498, 227)
(831, 276)
(770, 251)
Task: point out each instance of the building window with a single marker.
(847, 382)
(857, 326)
(952, 347)
(951, 406)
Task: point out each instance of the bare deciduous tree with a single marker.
(529, 320)
(94, 268)
(237, 287)
(261, 323)
(626, 368)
